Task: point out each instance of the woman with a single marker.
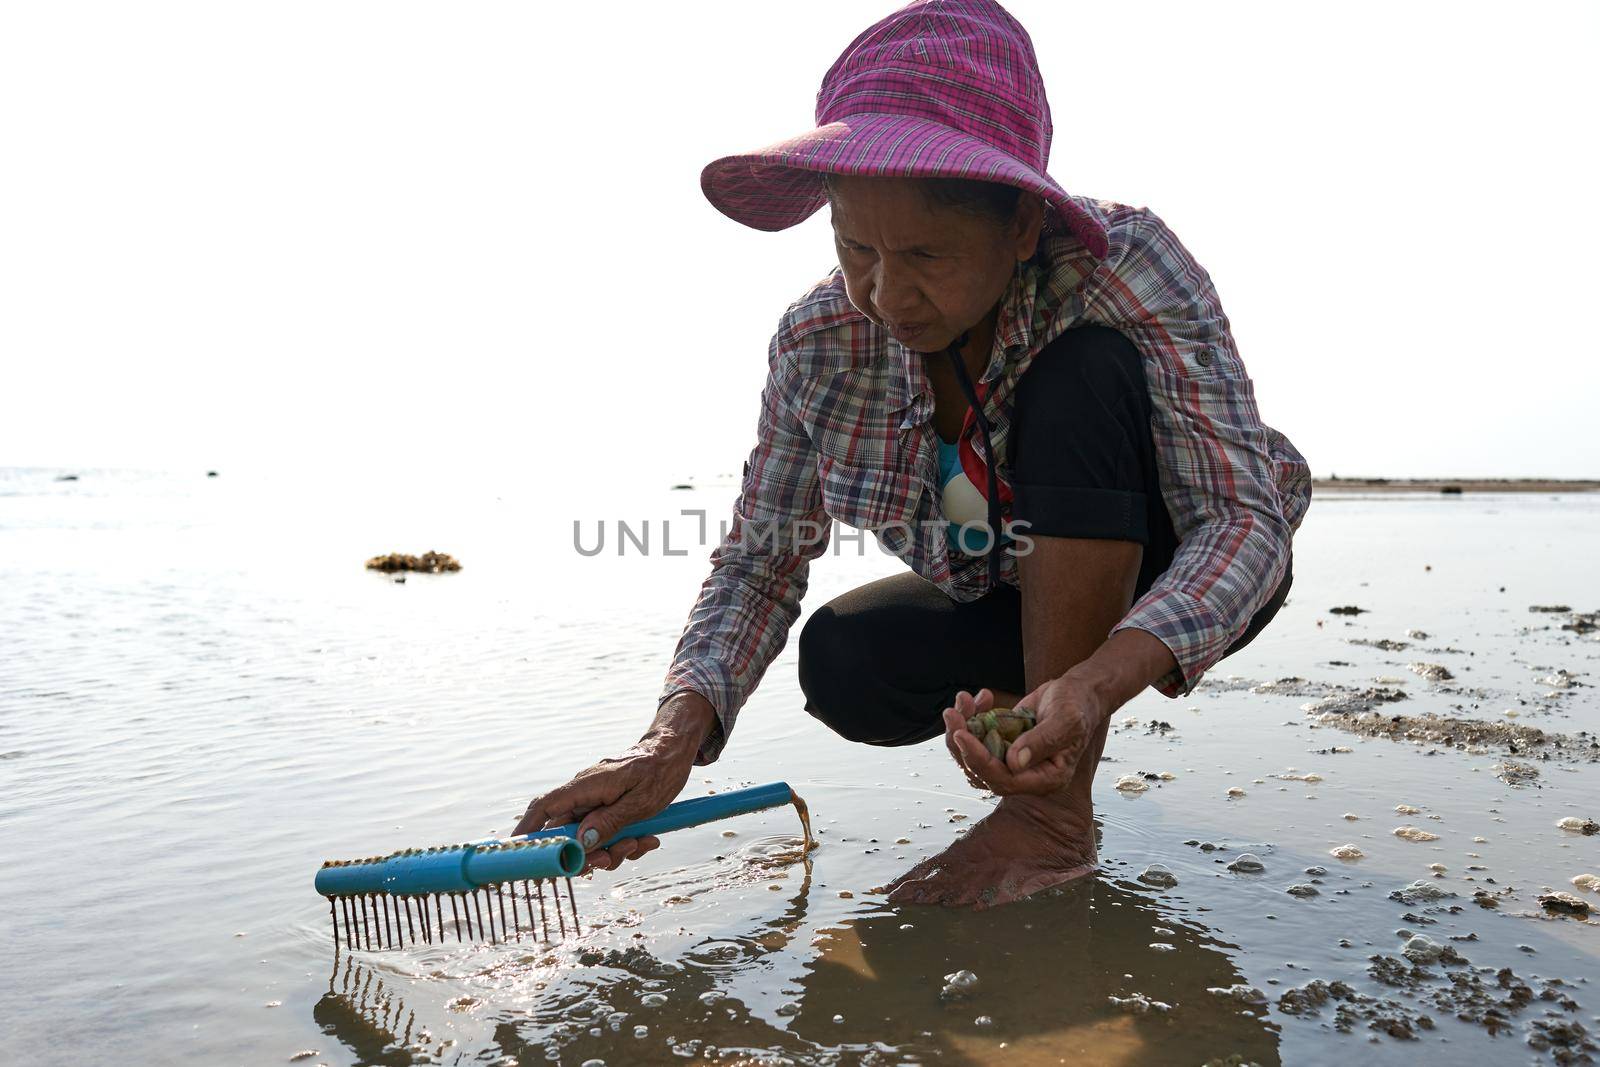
(992, 353)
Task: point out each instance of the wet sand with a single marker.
(214, 727)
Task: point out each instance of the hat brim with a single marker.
(780, 185)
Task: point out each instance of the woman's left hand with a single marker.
(1044, 759)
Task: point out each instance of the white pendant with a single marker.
(962, 502)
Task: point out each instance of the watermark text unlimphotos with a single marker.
(691, 529)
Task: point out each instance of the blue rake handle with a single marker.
(687, 813)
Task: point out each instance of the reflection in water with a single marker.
(867, 990)
(368, 1016)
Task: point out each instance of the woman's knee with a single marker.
(843, 687)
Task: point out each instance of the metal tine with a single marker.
(386, 902)
(538, 885)
(477, 909)
(411, 926)
(467, 911)
(561, 920)
(527, 898)
(577, 930)
(388, 937)
(438, 911)
(399, 931)
(500, 895)
(455, 914)
(488, 899)
(350, 910)
(366, 931)
(333, 913)
(349, 923)
(422, 906)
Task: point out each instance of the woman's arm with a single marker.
(1218, 474)
(741, 619)
(739, 623)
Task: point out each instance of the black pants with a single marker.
(879, 663)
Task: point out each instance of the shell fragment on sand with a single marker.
(1346, 852)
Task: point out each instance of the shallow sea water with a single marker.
(203, 695)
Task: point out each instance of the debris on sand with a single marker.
(1347, 609)
(1588, 882)
(1383, 643)
(1433, 672)
(1244, 994)
(1247, 863)
(1158, 875)
(1235, 792)
(1293, 686)
(1586, 623)
(1290, 776)
(1587, 827)
(1346, 852)
(1561, 679)
(1423, 950)
(1564, 903)
(1303, 889)
(1132, 783)
(1412, 833)
(1407, 809)
(1513, 773)
(1138, 1004)
(1420, 891)
(1431, 729)
(427, 563)
(1343, 700)
(1550, 609)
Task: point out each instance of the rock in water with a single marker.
(1577, 825)
(1565, 903)
(959, 984)
(1244, 994)
(1346, 852)
(1411, 833)
(1138, 1004)
(1421, 949)
(1132, 783)
(1247, 863)
(1159, 876)
(427, 563)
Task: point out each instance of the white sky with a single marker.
(471, 236)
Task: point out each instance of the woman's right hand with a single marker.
(626, 788)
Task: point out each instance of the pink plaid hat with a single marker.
(940, 88)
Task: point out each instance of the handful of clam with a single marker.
(999, 727)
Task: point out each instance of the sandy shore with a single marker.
(1464, 485)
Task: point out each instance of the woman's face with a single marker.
(923, 271)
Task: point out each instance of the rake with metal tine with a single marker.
(382, 902)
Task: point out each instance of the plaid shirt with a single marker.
(845, 432)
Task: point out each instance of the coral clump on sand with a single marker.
(427, 563)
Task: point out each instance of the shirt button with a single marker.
(1203, 357)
